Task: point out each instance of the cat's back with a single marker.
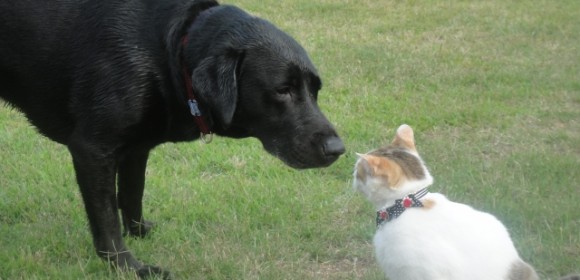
(474, 231)
(455, 238)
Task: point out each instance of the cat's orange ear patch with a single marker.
(363, 168)
(380, 167)
(366, 164)
(405, 137)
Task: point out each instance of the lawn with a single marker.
(492, 89)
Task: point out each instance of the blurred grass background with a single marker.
(492, 89)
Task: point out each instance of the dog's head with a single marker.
(256, 81)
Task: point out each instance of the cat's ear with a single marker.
(363, 166)
(405, 137)
(379, 167)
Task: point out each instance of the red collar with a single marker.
(198, 117)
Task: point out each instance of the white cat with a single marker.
(422, 235)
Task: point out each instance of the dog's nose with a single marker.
(333, 146)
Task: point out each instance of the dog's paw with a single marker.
(138, 229)
(153, 272)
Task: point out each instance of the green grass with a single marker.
(492, 89)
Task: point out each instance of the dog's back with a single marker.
(53, 52)
(35, 47)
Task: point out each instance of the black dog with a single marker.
(111, 79)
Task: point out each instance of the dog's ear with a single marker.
(215, 83)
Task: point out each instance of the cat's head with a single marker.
(391, 172)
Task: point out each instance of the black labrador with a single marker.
(112, 79)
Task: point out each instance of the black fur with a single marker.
(104, 78)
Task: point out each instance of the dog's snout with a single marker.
(333, 146)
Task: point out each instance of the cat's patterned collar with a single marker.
(390, 213)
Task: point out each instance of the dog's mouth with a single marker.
(307, 154)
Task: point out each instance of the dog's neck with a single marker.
(196, 112)
(201, 18)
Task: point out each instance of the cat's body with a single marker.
(447, 241)
(438, 239)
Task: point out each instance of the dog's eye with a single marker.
(284, 90)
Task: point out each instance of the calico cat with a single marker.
(422, 235)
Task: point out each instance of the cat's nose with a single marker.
(333, 147)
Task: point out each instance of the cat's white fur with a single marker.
(443, 241)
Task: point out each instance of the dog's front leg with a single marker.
(95, 169)
(131, 184)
